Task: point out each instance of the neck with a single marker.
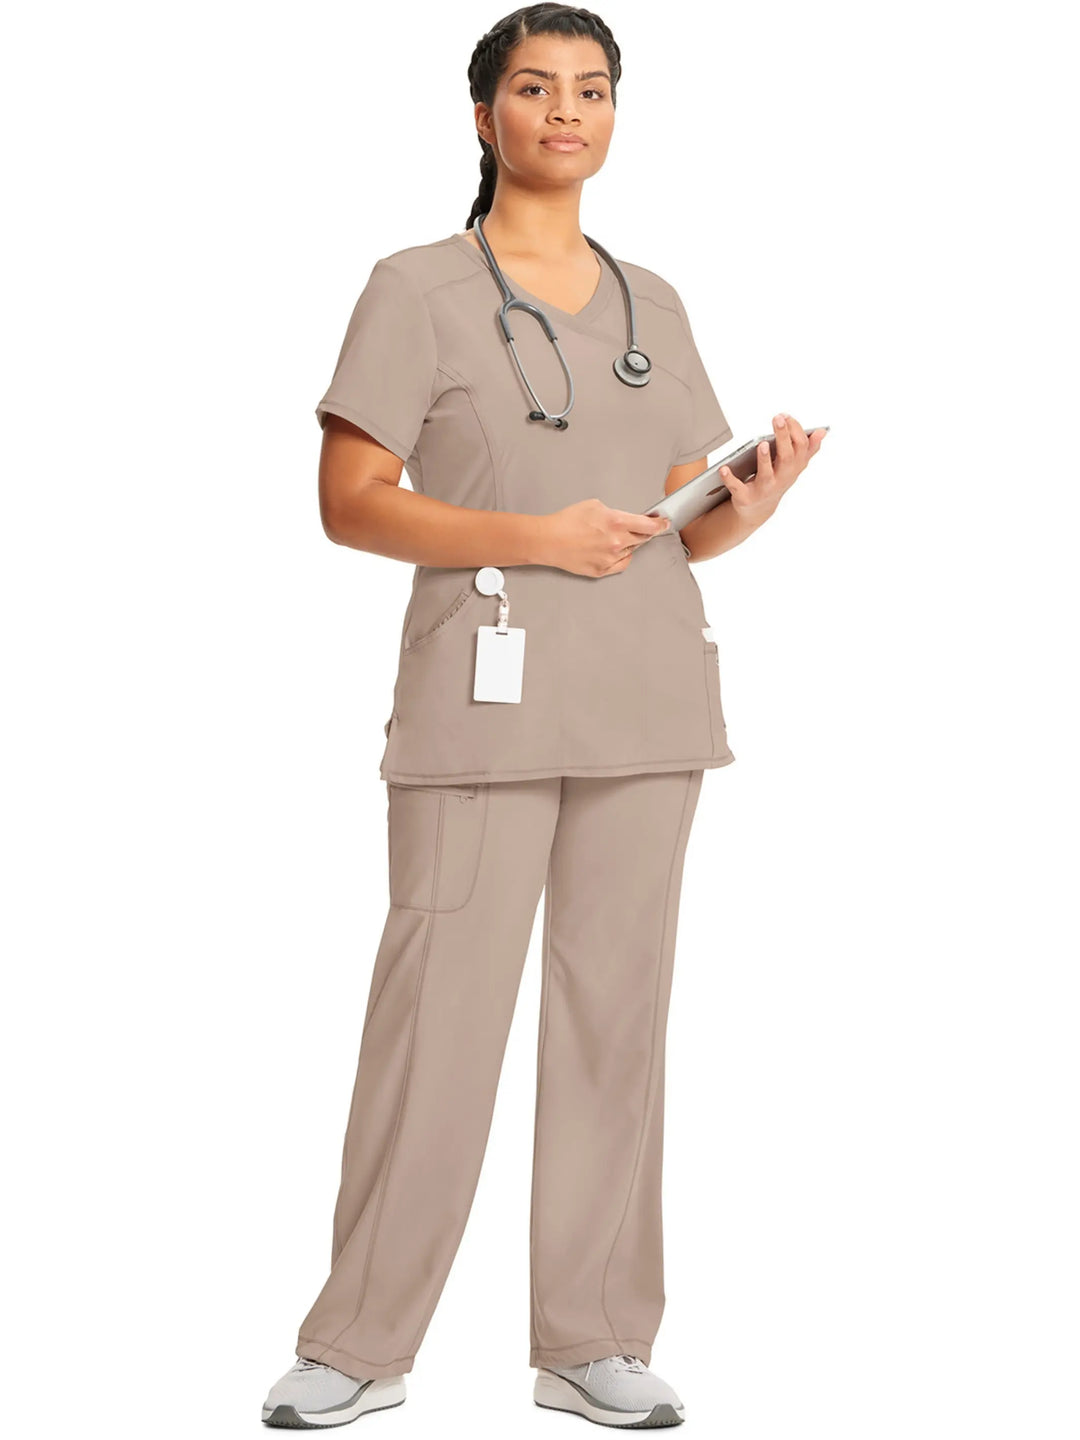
(526, 225)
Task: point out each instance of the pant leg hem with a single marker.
(352, 1365)
(584, 1350)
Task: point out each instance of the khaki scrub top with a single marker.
(620, 674)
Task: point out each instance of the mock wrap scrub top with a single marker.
(619, 674)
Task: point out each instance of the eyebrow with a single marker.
(554, 74)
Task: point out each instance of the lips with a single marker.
(564, 142)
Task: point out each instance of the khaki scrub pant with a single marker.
(468, 864)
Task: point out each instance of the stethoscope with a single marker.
(633, 368)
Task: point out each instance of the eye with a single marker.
(535, 85)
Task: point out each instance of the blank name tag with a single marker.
(500, 664)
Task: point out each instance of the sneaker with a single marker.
(311, 1395)
(618, 1390)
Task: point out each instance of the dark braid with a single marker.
(489, 61)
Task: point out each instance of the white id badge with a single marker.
(500, 663)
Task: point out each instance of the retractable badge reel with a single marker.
(500, 649)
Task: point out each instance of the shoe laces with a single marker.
(623, 1362)
(305, 1364)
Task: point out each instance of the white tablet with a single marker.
(707, 489)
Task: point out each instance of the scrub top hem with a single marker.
(637, 767)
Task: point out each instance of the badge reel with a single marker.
(500, 650)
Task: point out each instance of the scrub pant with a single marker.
(468, 864)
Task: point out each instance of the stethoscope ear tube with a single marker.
(632, 368)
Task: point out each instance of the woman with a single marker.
(577, 777)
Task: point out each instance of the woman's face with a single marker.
(552, 85)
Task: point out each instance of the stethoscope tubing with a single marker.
(631, 371)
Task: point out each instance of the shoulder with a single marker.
(417, 270)
(661, 301)
(647, 285)
(660, 312)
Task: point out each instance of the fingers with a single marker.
(764, 460)
(784, 448)
(798, 434)
(617, 567)
(733, 483)
(630, 530)
(645, 525)
(801, 448)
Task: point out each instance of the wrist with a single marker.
(538, 540)
(758, 517)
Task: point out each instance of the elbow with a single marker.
(345, 513)
(343, 516)
(331, 530)
(331, 524)
(338, 514)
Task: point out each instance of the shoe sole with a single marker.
(554, 1392)
(382, 1394)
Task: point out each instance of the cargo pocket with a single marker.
(717, 727)
(435, 835)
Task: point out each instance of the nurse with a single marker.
(576, 777)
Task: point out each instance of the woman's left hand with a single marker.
(755, 499)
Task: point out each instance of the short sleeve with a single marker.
(707, 426)
(386, 368)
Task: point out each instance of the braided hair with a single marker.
(489, 61)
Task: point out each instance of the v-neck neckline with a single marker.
(588, 311)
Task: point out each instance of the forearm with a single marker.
(719, 529)
(405, 525)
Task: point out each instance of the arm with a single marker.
(362, 504)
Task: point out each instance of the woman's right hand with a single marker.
(590, 538)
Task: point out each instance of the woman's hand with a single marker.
(757, 498)
(590, 538)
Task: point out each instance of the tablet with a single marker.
(708, 489)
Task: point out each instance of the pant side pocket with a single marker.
(435, 839)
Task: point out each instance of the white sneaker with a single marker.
(618, 1390)
(311, 1395)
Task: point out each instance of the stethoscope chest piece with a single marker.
(633, 368)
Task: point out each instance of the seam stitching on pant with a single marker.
(438, 853)
(545, 982)
(652, 1051)
(397, 1121)
(437, 1285)
(484, 794)
(375, 996)
(373, 1000)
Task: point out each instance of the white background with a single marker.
(871, 1183)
